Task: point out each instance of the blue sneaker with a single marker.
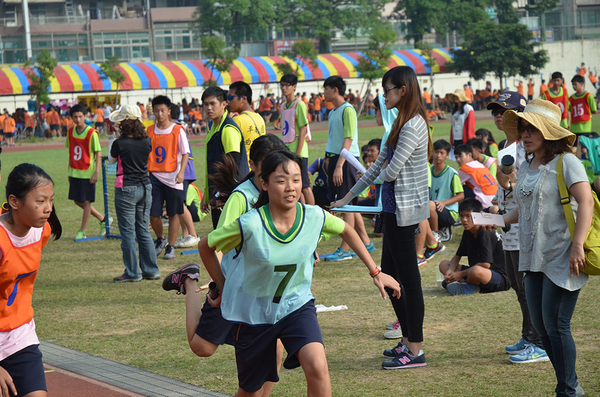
(532, 354)
(370, 248)
(518, 347)
(462, 288)
(338, 255)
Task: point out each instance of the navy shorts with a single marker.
(26, 369)
(256, 346)
(348, 175)
(99, 125)
(214, 328)
(162, 193)
(497, 283)
(445, 219)
(304, 172)
(81, 190)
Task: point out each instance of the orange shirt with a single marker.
(100, 113)
(521, 89)
(9, 125)
(317, 103)
(427, 96)
(593, 78)
(543, 88)
(582, 72)
(52, 117)
(469, 94)
(2, 118)
(329, 105)
(530, 89)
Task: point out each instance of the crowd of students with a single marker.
(261, 253)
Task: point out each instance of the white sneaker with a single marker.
(179, 241)
(189, 241)
(391, 325)
(394, 333)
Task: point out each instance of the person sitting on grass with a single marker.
(486, 271)
(445, 194)
(477, 180)
(479, 148)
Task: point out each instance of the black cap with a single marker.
(509, 100)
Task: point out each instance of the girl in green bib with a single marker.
(266, 286)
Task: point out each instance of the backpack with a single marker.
(591, 245)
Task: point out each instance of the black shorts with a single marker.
(497, 283)
(214, 328)
(256, 346)
(81, 190)
(26, 370)
(162, 193)
(99, 125)
(9, 134)
(54, 127)
(349, 178)
(215, 214)
(445, 218)
(304, 172)
(321, 196)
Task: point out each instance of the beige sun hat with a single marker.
(543, 115)
(460, 93)
(131, 112)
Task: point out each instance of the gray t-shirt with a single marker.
(543, 230)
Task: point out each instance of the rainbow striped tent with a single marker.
(179, 74)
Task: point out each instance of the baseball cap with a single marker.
(509, 100)
(131, 112)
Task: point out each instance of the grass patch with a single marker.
(77, 305)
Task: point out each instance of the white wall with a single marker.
(564, 57)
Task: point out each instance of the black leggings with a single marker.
(399, 260)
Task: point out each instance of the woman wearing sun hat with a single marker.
(133, 193)
(463, 118)
(549, 257)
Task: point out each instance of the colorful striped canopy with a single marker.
(179, 74)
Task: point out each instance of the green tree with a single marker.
(483, 53)
(540, 7)
(219, 56)
(373, 65)
(302, 51)
(442, 15)
(109, 69)
(321, 18)
(236, 19)
(506, 12)
(39, 88)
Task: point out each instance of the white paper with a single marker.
(510, 150)
(323, 308)
(352, 160)
(483, 218)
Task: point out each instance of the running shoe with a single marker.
(445, 234)
(174, 280)
(532, 354)
(125, 279)
(391, 325)
(338, 255)
(431, 252)
(160, 244)
(421, 260)
(153, 277)
(189, 241)
(405, 360)
(80, 235)
(518, 347)
(396, 351)
(103, 226)
(169, 252)
(178, 241)
(394, 333)
(462, 288)
(370, 248)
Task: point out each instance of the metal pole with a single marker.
(27, 31)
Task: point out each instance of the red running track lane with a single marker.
(63, 383)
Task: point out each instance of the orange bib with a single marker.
(18, 270)
(163, 157)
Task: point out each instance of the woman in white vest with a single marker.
(463, 118)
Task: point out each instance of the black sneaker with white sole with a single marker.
(396, 351)
(431, 252)
(405, 360)
(174, 280)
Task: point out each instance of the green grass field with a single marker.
(77, 305)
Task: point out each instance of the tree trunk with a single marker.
(365, 97)
(324, 45)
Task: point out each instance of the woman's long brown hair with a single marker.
(410, 105)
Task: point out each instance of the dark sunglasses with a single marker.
(498, 111)
(386, 89)
(530, 128)
(230, 97)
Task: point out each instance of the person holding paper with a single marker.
(343, 134)
(486, 271)
(529, 347)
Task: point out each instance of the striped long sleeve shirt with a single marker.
(408, 171)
